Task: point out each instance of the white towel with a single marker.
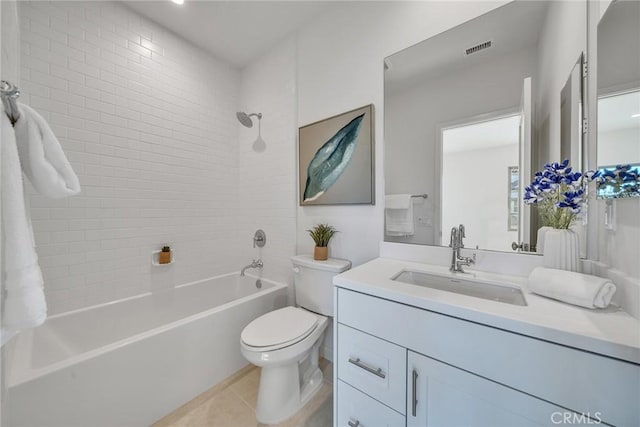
(398, 212)
(43, 160)
(575, 288)
(24, 304)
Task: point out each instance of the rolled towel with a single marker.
(574, 288)
(42, 158)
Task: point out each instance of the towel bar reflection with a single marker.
(9, 94)
(424, 196)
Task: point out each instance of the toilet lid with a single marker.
(279, 328)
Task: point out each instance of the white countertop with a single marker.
(610, 332)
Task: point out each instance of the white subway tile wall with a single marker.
(267, 180)
(148, 123)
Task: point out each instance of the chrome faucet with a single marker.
(456, 243)
(254, 264)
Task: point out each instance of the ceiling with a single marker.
(234, 31)
(482, 135)
(510, 28)
(616, 113)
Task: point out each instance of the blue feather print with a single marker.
(331, 160)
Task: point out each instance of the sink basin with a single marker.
(464, 286)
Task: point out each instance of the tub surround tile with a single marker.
(147, 131)
(232, 404)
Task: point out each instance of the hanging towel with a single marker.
(398, 212)
(43, 160)
(24, 304)
(575, 288)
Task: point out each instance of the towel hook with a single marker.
(9, 94)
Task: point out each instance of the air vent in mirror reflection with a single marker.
(478, 47)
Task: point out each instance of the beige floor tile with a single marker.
(300, 419)
(200, 400)
(247, 387)
(232, 404)
(224, 410)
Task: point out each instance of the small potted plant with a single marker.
(321, 234)
(164, 257)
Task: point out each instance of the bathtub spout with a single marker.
(254, 264)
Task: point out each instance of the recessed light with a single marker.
(635, 116)
(178, 1)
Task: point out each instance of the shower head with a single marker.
(245, 118)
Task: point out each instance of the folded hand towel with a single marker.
(575, 288)
(24, 304)
(398, 211)
(43, 160)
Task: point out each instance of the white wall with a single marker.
(563, 38)
(415, 116)
(148, 123)
(483, 209)
(340, 67)
(619, 146)
(267, 180)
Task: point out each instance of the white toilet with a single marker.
(285, 343)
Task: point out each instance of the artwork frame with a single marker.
(336, 159)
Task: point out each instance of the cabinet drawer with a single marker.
(374, 366)
(580, 381)
(357, 409)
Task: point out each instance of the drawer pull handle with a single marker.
(414, 389)
(352, 424)
(366, 367)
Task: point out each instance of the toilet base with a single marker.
(284, 390)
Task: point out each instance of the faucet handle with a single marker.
(461, 235)
(454, 237)
(259, 239)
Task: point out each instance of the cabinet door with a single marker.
(441, 395)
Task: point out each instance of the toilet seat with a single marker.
(278, 329)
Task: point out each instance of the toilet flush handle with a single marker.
(296, 270)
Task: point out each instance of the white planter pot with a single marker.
(562, 250)
(542, 231)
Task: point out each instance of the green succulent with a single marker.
(321, 234)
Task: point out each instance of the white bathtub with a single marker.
(130, 362)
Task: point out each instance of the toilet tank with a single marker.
(313, 281)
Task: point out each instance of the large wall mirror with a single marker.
(472, 113)
(619, 98)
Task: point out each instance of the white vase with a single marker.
(542, 231)
(562, 250)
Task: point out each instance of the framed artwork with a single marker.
(336, 160)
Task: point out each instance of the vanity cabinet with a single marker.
(423, 368)
(441, 395)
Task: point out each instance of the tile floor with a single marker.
(232, 403)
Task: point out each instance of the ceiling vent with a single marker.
(478, 48)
